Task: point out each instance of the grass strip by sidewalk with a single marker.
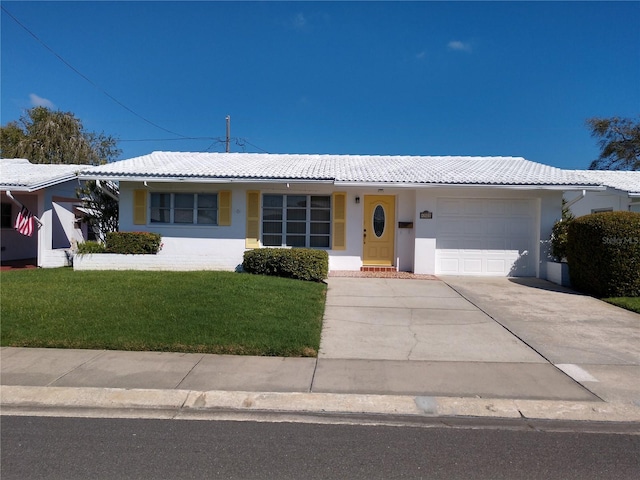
(630, 303)
(207, 312)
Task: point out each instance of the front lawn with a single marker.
(209, 312)
(630, 303)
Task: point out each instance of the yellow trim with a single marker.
(339, 224)
(140, 207)
(252, 239)
(224, 208)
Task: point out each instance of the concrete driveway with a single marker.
(594, 342)
(462, 335)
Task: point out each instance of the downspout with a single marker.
(18, 203)
(575, 200)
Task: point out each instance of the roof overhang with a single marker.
(470, 185)
(179, 179)
(342, 183)
(40, 185)
(37, 186)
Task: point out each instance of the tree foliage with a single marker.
(43, 135)
(619, 140)
(101, 207)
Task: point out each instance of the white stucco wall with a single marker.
(222, 247)
(609, 199)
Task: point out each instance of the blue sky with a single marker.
(405, 78)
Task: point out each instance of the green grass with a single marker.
(630, 303)
(209, 312)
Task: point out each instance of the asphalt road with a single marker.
(78, 448)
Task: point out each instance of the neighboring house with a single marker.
(622, 192)
(48, 193)
(428, 215)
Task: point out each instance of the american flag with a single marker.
(24, 222)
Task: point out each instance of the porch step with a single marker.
(375, 268)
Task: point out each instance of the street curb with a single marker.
(178, 402)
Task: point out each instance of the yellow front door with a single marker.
(379, 231)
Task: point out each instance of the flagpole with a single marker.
(18, 203)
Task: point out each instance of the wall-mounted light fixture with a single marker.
(357, 200)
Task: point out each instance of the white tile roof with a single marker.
(367, 169)
(21, 175)
(623, 180)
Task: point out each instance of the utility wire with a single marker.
(87, 78)
(239, 141)
(165, 139)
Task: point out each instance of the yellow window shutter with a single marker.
(252, 239)
(224, 208)
(139, 207)
(339, 224)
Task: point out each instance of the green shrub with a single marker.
(559, 239)
(299, 263)
(603, 252)
(133, 242)
(90, 247)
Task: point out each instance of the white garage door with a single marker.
(485, 237)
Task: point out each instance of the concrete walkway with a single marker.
(417, 347)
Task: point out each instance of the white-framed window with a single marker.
(296, 221)
(184, 208)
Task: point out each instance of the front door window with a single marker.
(378, 221)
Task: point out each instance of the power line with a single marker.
(165, 139)
(87, 78)
(239, 141)
(254, 146)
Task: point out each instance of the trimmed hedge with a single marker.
(133, 243)
(90, 247)
(603, 252)
(298, 263)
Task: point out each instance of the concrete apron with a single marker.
(595, 343)
(421, 337)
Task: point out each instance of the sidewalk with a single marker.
(424, 350)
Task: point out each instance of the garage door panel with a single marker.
(496, 266)
(451, 227)
(496, 239)
(496, 244)
(496, 207)
(520, 208)
(449, 265)
(472, 208)
(473, 265)
(496, 226)
(519, 226)
(450, 207)
(472, 225)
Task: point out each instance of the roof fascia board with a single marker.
(149, 179)
(15, 188)
(620, 191)
(472, 185)
(39, 186)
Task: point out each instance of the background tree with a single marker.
(43, 135)
(101, 205)
(619, 143)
